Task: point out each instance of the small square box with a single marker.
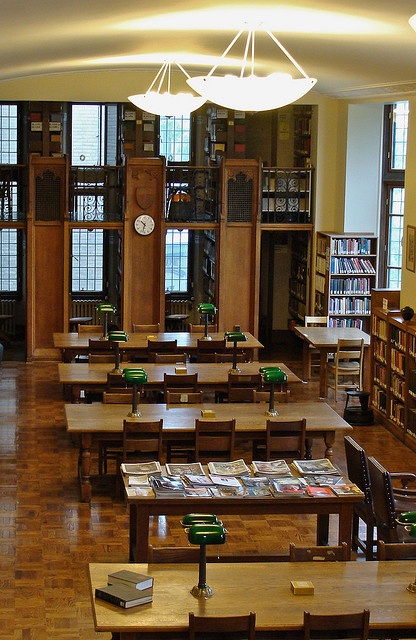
(302, 587)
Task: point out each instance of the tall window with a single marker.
(175, 138)
(394, 165)
(176, 265)
(8, 134)
(9, 262)
(94, 134)
(87, 261)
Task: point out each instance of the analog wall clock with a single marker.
(144, 224)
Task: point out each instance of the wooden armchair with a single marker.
(210, 627)
(319, 554)
(346, 370)
(206, 349)
(314, 356)
(340, 625)
(359, 473)
(396, 550)
(146, 328)
(160, 346)
(241, 386)
(142, 440)
(214, 440)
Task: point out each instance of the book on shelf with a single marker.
(180, 469)
(347, 489)
(167, 486)
(318, 492)
(233, 468)
(122, 595)
(287, 486)
(271, 468)
(139, 581)
(141, 468)
(324, 480)
(317, 467)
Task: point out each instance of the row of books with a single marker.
(126, 589)
(236, 479)
(345, 286)
(351, 246)
(351, 265)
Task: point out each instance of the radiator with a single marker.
(86, 308)
(178, 306)
(8, 308)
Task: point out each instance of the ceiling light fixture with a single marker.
(252, 92)
(412, 22)
(167, 104)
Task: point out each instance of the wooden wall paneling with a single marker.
(48, 202)
(239, 251)
(143, 259)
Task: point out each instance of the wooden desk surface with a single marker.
(72, 340)
(250, 417)
(209, 374)
(329, 336)
(265, 588)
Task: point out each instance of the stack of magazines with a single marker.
(234, 468)
(167, 486)
(271, 468)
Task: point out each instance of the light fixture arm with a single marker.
(287, 54)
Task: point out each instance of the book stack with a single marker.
(137, 475)
(167, 486)
(126, 589)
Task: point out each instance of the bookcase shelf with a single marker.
(346, 272)
(393, 367)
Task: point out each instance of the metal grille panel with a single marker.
(240, 199)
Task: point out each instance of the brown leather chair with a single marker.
(210, 627)
(319, 554)
(359, 473)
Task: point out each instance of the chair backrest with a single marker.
(115, 381)
(200, 328)
(177, 397)
(142, 440)
(350, 351)
(160, 346)
(168, 555)
(146, 328)
(204, 627)
(319, 554)
(229, 357)
(101, 346)
(97, 358)
(316, 321)
(90, 328)
(171, 358)
(181, 382)
(264, 396)
(118, 397)
(214, 440)
(206, 349)
(339, 625)
(286, 439)
(242, 385)
(396, 550)
(383, 501)
(357, 467)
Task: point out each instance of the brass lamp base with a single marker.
(117, 370)
(236, 370)
(202, 592)
(412, 586)
(134, 414)
(205, 338)
(271, 412)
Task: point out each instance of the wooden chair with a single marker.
(181, 449)
(214, 440)
(160, 346)
(206, 349)
(229, 357)
(315, 321)
(170, 555)
(90, 328)
(286, 439)
(242, 385)
(142, 440)
(200, 328)
(319, 554)
(338, 625)
(178, 397)
(264, 396)
(346, 370)
(388, 502)
(396, 550)
(359, 473)
(115, 381)
(180, 382)
(146, 328)
(231, 627)
(171, 358)
(118, 397)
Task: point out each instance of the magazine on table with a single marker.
(316, 467)
(138, 481)
(225, 481)
(198, 492)
(141, 468)
(347, 489)
(189, 480)
(271, 468)
(319, 492)
(140, 492)
(288, 486)
(180, 469)
(234, 468)
(258, 487)
(325, 480)
(167, 486)
(228, 492)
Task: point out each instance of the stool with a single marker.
(358, 414)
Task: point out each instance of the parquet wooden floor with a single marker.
(47, 537)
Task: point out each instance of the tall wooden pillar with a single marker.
(46, 271)
(239, 250)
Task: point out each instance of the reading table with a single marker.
(340, 587)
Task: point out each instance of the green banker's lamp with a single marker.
(117, 337)
(206, 309)
(408, 521)
(204, 533)
(235, 337)
(106, 308)
(272, 375)
(135, 377)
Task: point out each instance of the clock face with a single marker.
(144, 224)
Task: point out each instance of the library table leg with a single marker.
(84, 467)
(139, 533)
(329, 438)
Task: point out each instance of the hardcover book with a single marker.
(122, 596)
(131, 578)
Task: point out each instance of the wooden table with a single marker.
(211, 376)
(325, 339)
(264, 587)
(94, 421)
(72, 344)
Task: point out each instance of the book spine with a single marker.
(108, 597)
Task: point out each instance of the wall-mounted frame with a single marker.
(411, 248)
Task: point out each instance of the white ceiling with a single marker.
(109, 49)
